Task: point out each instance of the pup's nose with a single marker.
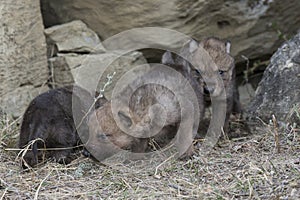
(209, 90)
(101, 136)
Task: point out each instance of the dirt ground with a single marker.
(264, 165)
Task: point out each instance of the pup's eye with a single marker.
(198, 72)
(221, 72)
(102, 136)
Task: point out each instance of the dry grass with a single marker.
(243, 168)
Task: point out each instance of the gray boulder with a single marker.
(79, 57)
(90, 71)
(278, 93)
(72, 37)
(255, 28)
(23, 61)
(16, 101)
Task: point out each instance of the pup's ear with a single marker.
(189, 48)
(193, 45)
(228, 46)
(125, 119)
(167, 58)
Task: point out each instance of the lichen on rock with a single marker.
(278, 92)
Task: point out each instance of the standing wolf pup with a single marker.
(220, 54)
(219, 51)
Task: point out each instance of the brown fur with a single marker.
(181, 65)
(216, 49)
(106, 136)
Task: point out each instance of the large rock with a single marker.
(278, 93)
(72, 64)
(256, 28)
(23, 62)
(90, 71)
(73, 37)
(16, 101)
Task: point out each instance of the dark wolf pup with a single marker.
(50, 118)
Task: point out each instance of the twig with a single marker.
(8, 126)
(5, 191)
(109, 81)
(277, 144)
(40, 185)
(26, 148)
(156, 168)
(250, 188)
(247, 68)
(45, 149)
